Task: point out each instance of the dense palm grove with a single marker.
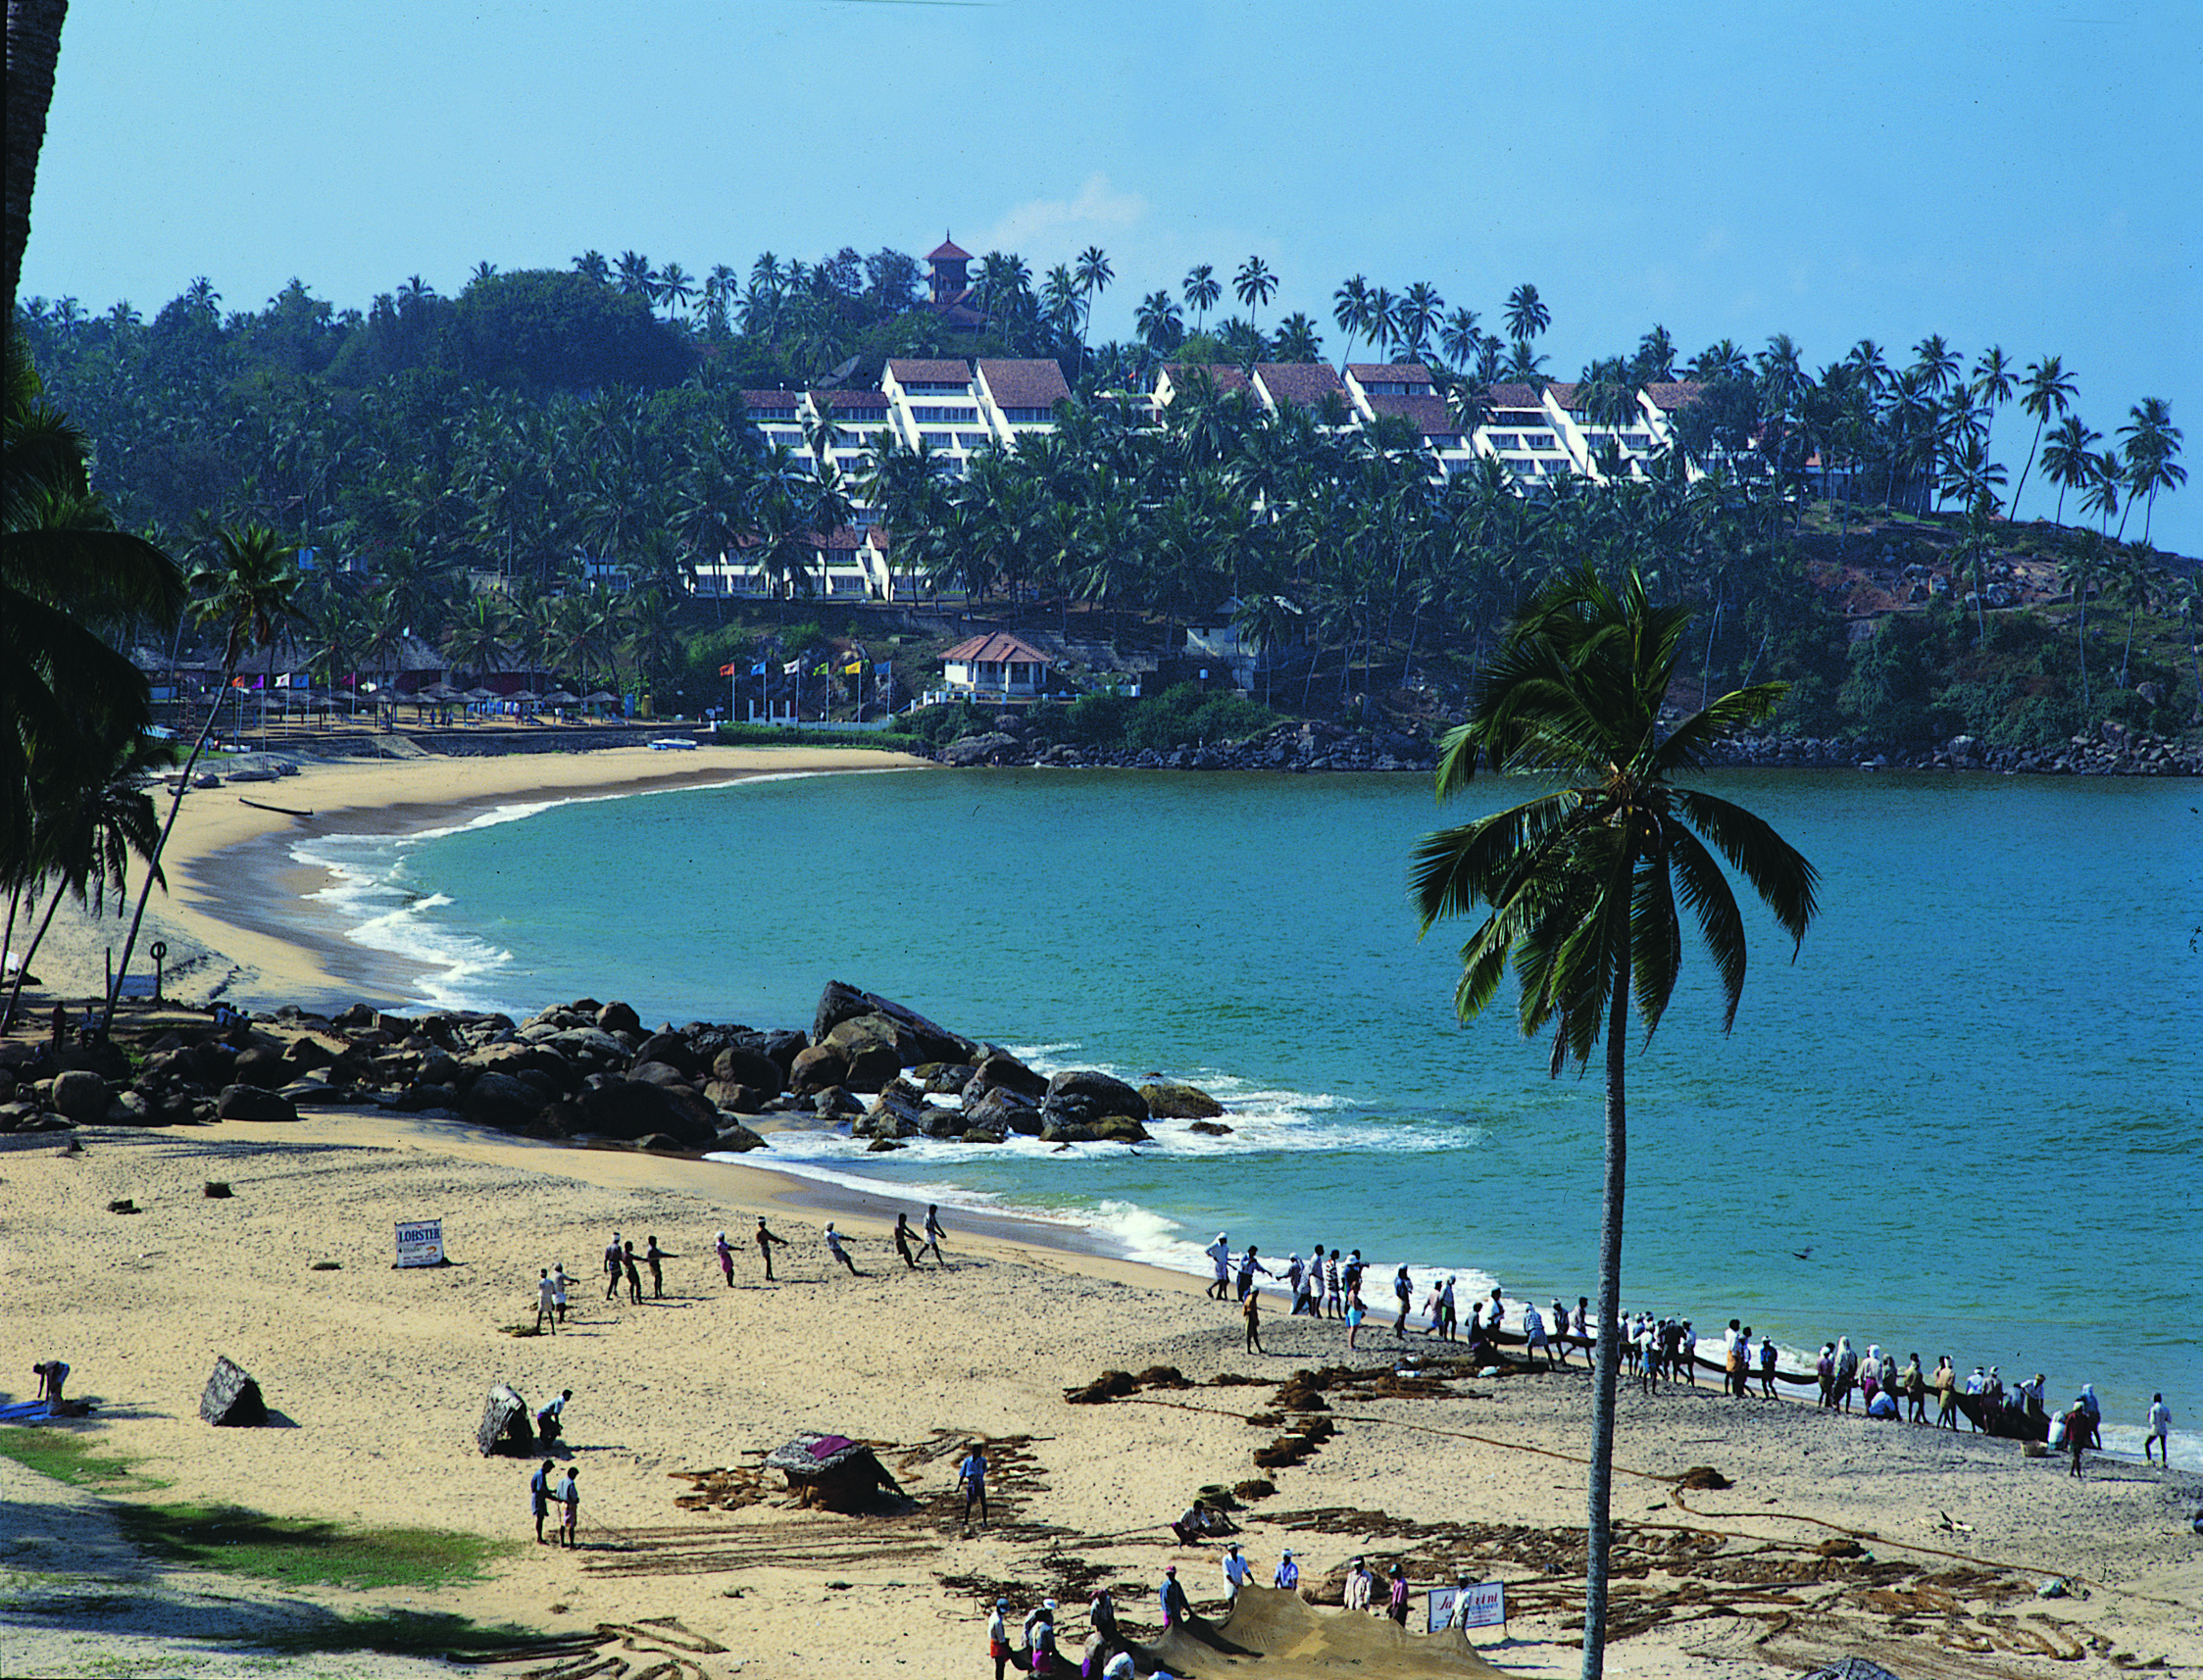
(453, 464)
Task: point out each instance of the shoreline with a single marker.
(378, 1376)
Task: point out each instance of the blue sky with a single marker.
(2024, 174)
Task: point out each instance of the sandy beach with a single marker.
(1832, 1537)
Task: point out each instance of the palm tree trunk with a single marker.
(23, 974)
(2022, 483)
(33, 47)
(1599, 1536)
(153, 864)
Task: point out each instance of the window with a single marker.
(943, 416)
(938, 439)
(1029, 416)
(936, 388)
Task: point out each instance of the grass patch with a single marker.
(766, 735)
(71, 1459)
(416, 1633)
(300, 1552)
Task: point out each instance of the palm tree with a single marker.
(1418, 316)
(637, 277)
(1350, 308)
(1936, 362)
(1093, 273)
(2067, 458)
(1582, 883)
(475, 642)
(2049, 391)
(1970, 478)
(675, 286)
(1526, 314)
(1655, 360)
(247, 589)
(1254, 284)
(2099, 494)
(1160, 327)
(2152, 444)
(1460, 338)
(1202, 290)
(593, 264)
(1297, 339)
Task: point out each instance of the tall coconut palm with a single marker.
(1094, 272)
(1581, 883)
(1161, 328)
(247, 590)
(2069, 460)
(1526, 314)
(477, 641)
(1202, 290)
(1936, 362)
(1417, 317)
(1254, 284)
(2151, 449)
(1350, 308)
(2049, 391)
(2099, 492)
(1461, 338)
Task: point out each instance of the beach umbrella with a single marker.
(478, 696)
(560, 697)
(439, 691)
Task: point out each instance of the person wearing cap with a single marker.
(1358, 1586)
(1119, 1667)
(1177, 1613)
(833, 1247)
(1248, 1267)
(998, 1636)
(558, 1290)
(1396, 1597)
(1294, 1273)
(1288, 1572)
(1220, 1253)
(612, 1268)
(1040, 1640)
(1236, 1572)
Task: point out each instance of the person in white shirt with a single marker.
(998, 1636)
(2159, 1431)
(1359, 1582)
(546, 1303)
(834, 1245)
(1220, 1253)
(558, 1289)
(1288, 1572)
(1533, 1335)
(1237, 1570)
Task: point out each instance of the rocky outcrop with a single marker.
(1167, 1099)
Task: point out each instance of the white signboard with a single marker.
(1480, 1605)
(420, 1242)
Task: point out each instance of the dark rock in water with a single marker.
(750, 1068)
(919, 1039)
(233, 1400)
(1059, 1128)
(945, 1078)
(1004, 1109)
(81, 1096)
(1167, 1099)
(738, 1140)
(1209, 1129)
(630, 1108)
(836, 1103)
(1084, 1087)
(999, 1071)
(871, 1066)
(983, 1134)
(819, 1068)
(1119, 1128)
(591, 1049)
(882, 1146)
(251, 1103)
(670, 1049)
(505, 1427)
(618, 1018)
(358, 1018)
(501, 1101)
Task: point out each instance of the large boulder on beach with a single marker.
(618, 1018)
(591, 1049)
(502, 1100)
(670, 1050)
(738, 1140)
(819, 1068)
(630, 1108)
(1059, 1128)
(81, 1096)
(251, 1103)
(736, 1098)
(979, 749)
(1119, 1128)
(1167, 1099)
(1088, 1093)
(999, 1071)
(657, 1073)
(232, 1400)
(751, 1067)
(919, 1039)
(505, 1428)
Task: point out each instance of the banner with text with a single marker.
(1481, 1604)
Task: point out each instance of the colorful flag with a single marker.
(794, 668)
(726, 670)
(758, 670)
(855, 667)
(283, 681)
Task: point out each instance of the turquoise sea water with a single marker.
(1972, 1096)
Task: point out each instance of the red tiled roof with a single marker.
(1024, 384)
(1222, 376)
(839, 400)
(771, 402)
(1679, 395)
(948, 251)
(1429, 414)
(1513, 397)
(1306, 383)
(1393, 373)
(996, 648)
(932, 372)
(1564, 392)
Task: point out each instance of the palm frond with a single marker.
(1655, 941)
(1777, 871)
(1706, 890)
(1687, 744)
